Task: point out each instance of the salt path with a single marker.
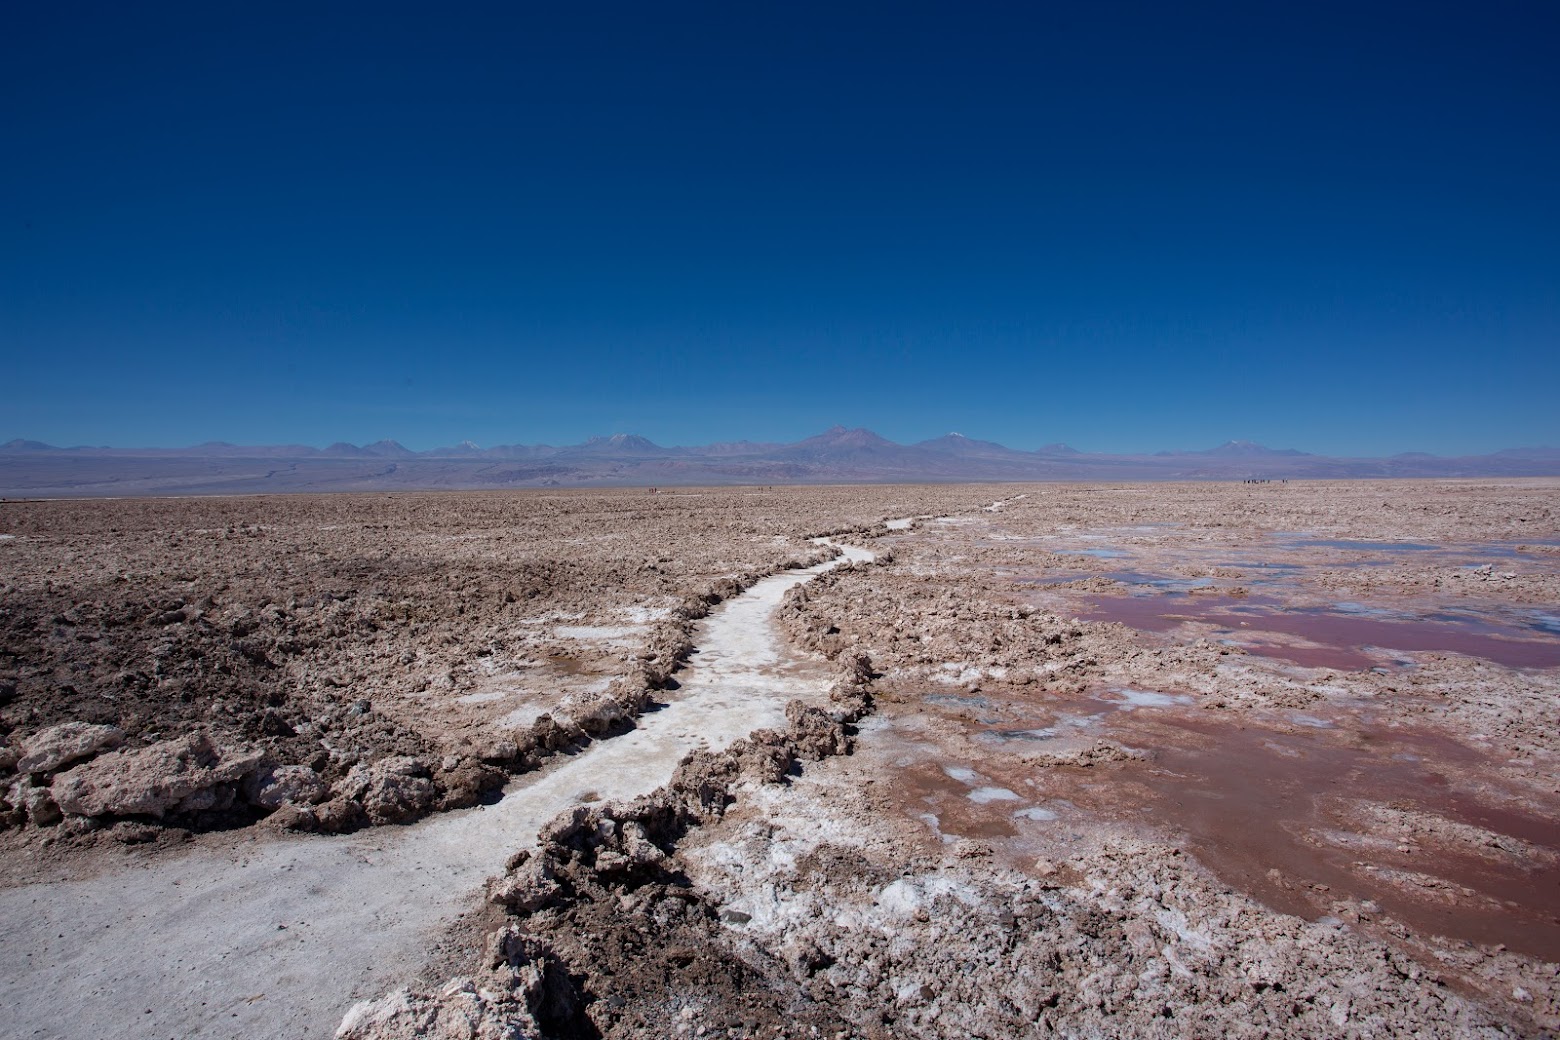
(278, 936)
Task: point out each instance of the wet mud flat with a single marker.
(1347, 636)
(1315, 815)
(1315, 826)
(1343, 721)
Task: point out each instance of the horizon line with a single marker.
(20, 445)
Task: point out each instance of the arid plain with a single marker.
(1160, 760)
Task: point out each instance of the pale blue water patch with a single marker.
(1507, 551)
(1359, 610)
(1363, 610)
(1048, 733)
(1310, 720)
(1358, 546)
(1099, 554)
(1548, 624)
(1036, 814)
(1064, 725)
(1262, 565)
(1514, 621)
(1062, 577)
(1132, 577)
(1523, 549)
(1179, 584)
(1460, 617)
(952, 698)
(1494, 622)
(1131, 698)
(1263, 574)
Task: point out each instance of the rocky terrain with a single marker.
(1180, 760)
(170, 666)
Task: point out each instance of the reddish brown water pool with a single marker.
(927, 790)
(1163, 613)
(1337, 630)
(1340, 658)
(1264, 809)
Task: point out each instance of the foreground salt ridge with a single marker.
(277, 938)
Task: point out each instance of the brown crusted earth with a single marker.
(1408, 793)
(1209, 812)
(1053, 826)
(342, 661)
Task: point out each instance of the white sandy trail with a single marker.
(279, 936)
(996, 507)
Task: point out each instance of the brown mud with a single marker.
(1337, 637)
(1283, 814)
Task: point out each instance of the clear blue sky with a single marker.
(1125, 226)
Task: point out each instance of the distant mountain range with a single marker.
(838, 455)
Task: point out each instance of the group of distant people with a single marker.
(1263, 480)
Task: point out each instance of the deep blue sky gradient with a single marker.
(1125, 226)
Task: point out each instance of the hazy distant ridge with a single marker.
(31, 468)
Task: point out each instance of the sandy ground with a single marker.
(1177, 760)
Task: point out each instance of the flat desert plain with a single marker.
(1159, 760)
